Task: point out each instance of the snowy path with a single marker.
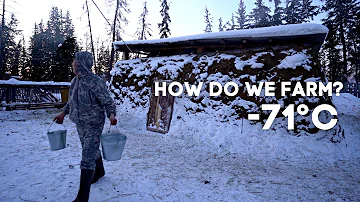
(171, 167)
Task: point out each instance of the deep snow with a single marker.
(200, 159)
(13, 81)
(273, 31)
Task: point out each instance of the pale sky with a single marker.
(187, 16)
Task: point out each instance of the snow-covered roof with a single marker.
(266, 32)
(17, 82)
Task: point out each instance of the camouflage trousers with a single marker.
(90, 141)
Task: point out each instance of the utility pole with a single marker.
(113, 39)
(1, 39)
(91, 38)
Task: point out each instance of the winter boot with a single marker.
(99, 170)
(85, 184)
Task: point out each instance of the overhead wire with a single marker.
(111, 25)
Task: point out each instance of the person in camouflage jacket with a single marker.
(88, 102)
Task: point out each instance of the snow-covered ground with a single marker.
(200, 159)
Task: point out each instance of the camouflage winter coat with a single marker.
(89, 98)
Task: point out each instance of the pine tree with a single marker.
(67, 28)
(44, 45)
(227, 26)
(40, 57)
(260, 15)
(120, 19)
(339, 18)
(15, 61)
(278, 13)
(299, 11)
(9, 46)
(293, 12)
(332, 56)
(164, 25)
(24, 61)
(221, 27)
(54, 30)
(87, 45)
(102, 59)
(144, 30)
(241, 15)
(309, 11)
(65, 53)
(208, 20)
(232, 21)
(353, 37)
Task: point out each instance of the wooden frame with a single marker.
(30, 96)
(160, 111)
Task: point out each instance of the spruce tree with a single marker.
(67, 27)
(39, 54)
(9, 46)
(308, 11)
(353, 37)
(278, 16)
(293, 12)
(144, 30)
(332, 56)
(62, 68)
(340, 15)
(260, 15)
(241, 15)
(232, 21)
(102, 59)
(24, 61)
(221, 27)
(227, 26)
(16, 60)
(164, 25)
(87, 44)
(299, 11)
(44, 45)
(208, 20)
(54, 30)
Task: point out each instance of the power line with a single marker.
(101, 13)
(110, 25)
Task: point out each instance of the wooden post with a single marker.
(13, 94)
(355, 89)
(7, 95)
(358, 93)
(345, 89)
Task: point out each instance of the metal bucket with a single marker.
(57, 139)
(112, 144)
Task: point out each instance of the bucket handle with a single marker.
(115, 126)
(52, 124)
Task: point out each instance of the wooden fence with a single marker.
(353, 88)
(33, 96)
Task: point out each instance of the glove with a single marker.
(113, 120)
(59, 119)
